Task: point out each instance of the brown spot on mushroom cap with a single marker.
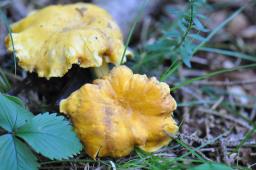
(81, 11)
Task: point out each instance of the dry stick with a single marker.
(254, 164)
(193, 148)
(211, 149)
(227, 142)
(228, 117)
(223, 148)
(217, 103)
(193, 138)
(253, 113)
(186, 116)
(226, 83)
(191, 92)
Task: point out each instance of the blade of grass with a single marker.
(4, 82)
(138, 17)
(193, 103)
(200, 147)
(215, 73)
(193, 152)
(218, 28)
(247, 136)
(5, 20)
(229, 53)
(174, 66)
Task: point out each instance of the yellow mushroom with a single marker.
(50, 40)
(120, 111)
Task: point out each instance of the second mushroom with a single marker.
(120, 111)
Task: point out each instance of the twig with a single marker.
(193, 149)
(227, 142)
(228, 117)
(254, 164)
(253, 113)
(223, 148)
(193, 138)
(190, 92)
(217, 103)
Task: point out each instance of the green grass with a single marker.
(137, 19)
(212, 74)
(190, 157)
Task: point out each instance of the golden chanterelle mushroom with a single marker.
(120, 111)
(50, 40)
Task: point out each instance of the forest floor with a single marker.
(210, 67)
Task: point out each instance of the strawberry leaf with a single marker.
(211, 166)
(12, 115)
(15, 155)
(50, 135)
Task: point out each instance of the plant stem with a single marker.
(101, 71)
(183, 38)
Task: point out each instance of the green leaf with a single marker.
(175, 65)
(211, 166)
(15, 155)
(12, 115)
(15, 100)
(4, 82)
(199, 26)
(186, 53)
(211, 74)
(218, 28)
(197, 37)
(229, 53)
(50, 135)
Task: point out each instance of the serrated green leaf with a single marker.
(197, 37)
(181, 26)
(50, 135)
(171, 34)
(15, 155)
(201, 16)
(161, 45)
(186, 53)
(12, 115)
(218, 28)
(211, 166)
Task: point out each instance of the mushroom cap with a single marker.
(120, 111)
(50, 40)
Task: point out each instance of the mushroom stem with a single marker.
(101, 71)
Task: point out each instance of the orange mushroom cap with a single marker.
(120, 111)
(50, 40)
